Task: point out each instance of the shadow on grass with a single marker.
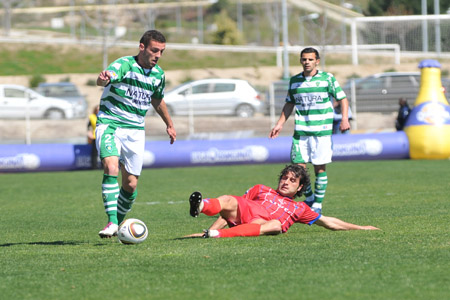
(54, 243)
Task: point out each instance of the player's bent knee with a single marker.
(228, 202)
(271, 227)
(111, 170)
(129, 183)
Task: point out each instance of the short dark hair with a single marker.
(310, 50)
(152, 35)
(299, 172)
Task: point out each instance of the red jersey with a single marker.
(276, 207)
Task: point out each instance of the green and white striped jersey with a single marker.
(126, 100)
(313, 106)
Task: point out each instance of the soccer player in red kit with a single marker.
(263, 210)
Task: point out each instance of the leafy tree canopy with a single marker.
(227, 32)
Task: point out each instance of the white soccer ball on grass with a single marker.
(132, 231)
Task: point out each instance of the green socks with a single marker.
(320, 187)
(125, 201)
(110, 192)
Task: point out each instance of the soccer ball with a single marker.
(132, 231)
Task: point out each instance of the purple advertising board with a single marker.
(370, 146)
(160, 154)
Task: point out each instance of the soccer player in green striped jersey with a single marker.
(132, 84)
(310, 94)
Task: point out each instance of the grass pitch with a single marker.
(50, 248)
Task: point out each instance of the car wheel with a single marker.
(245, 111)
(54, 114)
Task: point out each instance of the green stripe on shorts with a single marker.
(107, 144)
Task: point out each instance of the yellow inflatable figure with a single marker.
(428, 125)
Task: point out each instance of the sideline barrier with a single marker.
(160, 154)
(426, 136)
(373, 146)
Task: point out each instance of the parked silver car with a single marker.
(67, 91)
(215, 97)
(17, 101)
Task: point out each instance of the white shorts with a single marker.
(314, 149)
(127, 144)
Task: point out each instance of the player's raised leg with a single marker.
(207, 206)
(225, 205)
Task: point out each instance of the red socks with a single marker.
(241, 230)
(211, 206)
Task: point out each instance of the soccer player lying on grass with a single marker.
(263, 210)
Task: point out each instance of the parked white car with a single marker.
(67, 91)
(214, 97)
(17, 101)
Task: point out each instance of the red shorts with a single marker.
(248, 211)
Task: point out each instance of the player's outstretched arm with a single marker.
(285, 113)
(219, 223)
(194, 235)
(337, 224)
(161, 108)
